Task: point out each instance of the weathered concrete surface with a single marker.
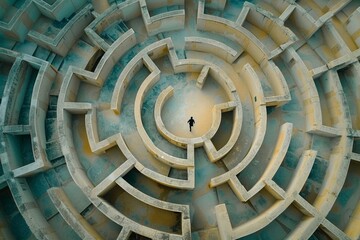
(94, 102)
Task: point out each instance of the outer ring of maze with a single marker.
(316, 212)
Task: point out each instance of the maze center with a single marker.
(189, 100)
(95, 98)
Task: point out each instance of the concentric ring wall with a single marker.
(95, 98)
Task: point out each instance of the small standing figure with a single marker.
(191, 122)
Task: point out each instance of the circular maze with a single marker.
(95, 99)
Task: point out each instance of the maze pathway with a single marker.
(95, 98)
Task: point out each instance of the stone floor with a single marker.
(94, 103)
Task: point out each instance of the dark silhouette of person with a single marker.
(191, 122)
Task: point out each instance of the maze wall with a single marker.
(95, 98)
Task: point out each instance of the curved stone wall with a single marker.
(94, 102)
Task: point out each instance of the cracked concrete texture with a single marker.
(95, 98)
